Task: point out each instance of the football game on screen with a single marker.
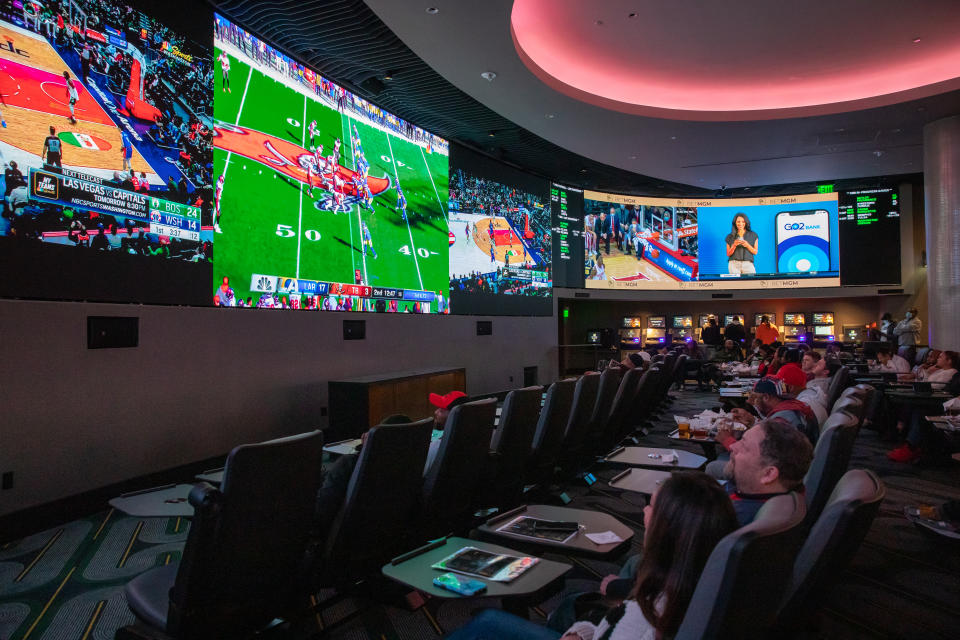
(322, 200)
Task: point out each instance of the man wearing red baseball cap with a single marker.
(444, 404)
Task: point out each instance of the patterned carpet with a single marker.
(67, 582)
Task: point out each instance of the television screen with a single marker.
(594, 336)
(323, 200)
(791, 331)
(746, 243)
(682, 322)
(772, 317)
(566, 209)
(870, 227)
(106, 141)
(794, 319)
(633, 321)
(727, 319)
(855, 333)
(823, 318)
(823, 331)
(704, 319)
(657, 322)
(500, 240)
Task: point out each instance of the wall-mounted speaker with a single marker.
(354, 329)
(112, 332)
(484, 327)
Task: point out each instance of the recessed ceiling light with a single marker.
(599, 23)
(491, 135)
(583, 170)
(632, 14)
(673, 137)
(550, 116)
(433, 10)
(489, 76)
(633, 157)
(916, 40)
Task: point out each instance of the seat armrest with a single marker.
(204, 494)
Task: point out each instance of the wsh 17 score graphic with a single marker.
(566, 208)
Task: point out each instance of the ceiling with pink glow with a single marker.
(709, 93)
(742, 60)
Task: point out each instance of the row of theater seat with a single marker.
(252, 555)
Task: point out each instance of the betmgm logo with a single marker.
(46, 186)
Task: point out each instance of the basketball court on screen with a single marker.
(33, 97)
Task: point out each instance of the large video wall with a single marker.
(142, 165)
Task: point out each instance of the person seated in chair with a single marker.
(442, 407)
(684, 521)
(771, 400)
(771, 459)
(890, 362)
(710, 372)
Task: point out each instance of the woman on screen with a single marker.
(742, 246)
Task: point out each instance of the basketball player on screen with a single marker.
(72, 95)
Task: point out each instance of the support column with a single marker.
(941, 176)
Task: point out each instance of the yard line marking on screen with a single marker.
(303, 141)
(409, 232)
(435, 192)
(353, 261)
(243, 98)
(353, 159)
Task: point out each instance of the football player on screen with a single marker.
(339, 198)
(216, 204)
(401, 202)
(367, 240)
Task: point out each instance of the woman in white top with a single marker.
(684, 521)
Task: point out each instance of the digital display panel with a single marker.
(758, 317)
(322, 199)
(704, 319)
(633, 321)
(793, 331)
(823, 318)
(854, 333)
(657, 322)
(823, 331)
(500, 238)
(637, 242)
(682, 322)
(594, 336)
(728, 319)
(106, 144)
(794, 319)
(566, 208)
(870, 227)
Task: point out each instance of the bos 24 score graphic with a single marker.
(322, 200)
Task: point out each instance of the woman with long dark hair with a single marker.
(742, 246)
(683, 523)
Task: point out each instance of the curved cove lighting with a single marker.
(731, 61)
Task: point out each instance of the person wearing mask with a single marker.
(908, 333)
(766, 332)
(889, 362)
(887, 324)
(684, 521)
(769, 397)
